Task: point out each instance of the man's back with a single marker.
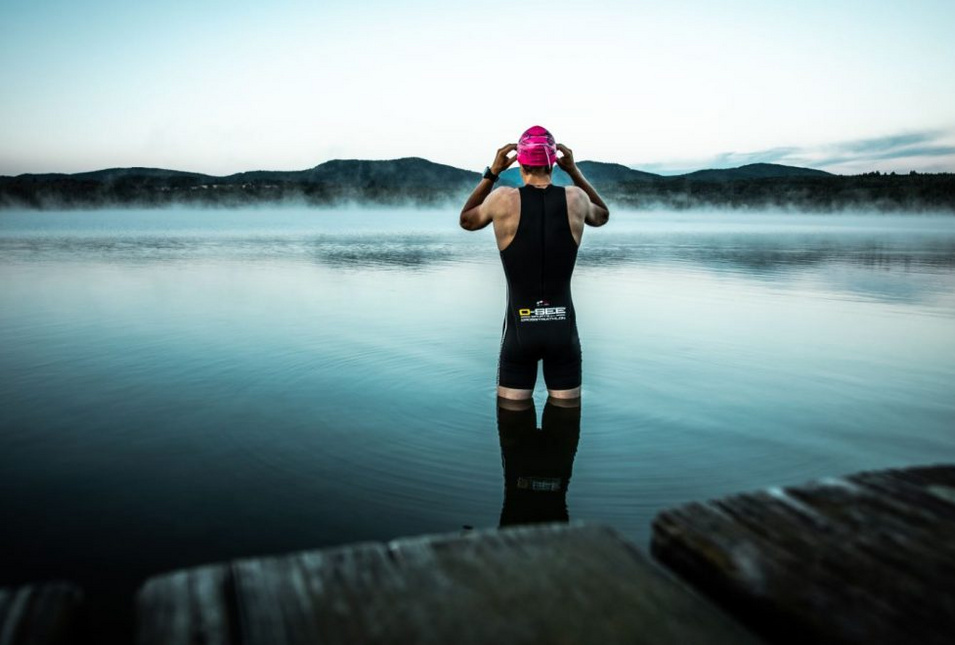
(504, 206)
(539, 260)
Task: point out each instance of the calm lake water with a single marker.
(189, 386)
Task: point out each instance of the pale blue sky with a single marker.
(221, 87)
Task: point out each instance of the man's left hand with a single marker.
(502, 162)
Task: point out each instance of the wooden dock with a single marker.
(863, 559)
(868, 558)
(41, 614)
(544, 584)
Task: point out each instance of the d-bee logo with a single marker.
(542, 312)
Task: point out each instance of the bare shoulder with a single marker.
(575, 193)
(577, 199)
(501, 201)
(504, 192)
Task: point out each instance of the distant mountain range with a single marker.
(342, 172)
(598, 172)
(361, 172)
(419, 181)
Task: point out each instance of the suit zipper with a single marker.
(543, 249)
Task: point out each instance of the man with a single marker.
(538, 228)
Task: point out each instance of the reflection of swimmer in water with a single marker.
(538, 228)
(537, 463)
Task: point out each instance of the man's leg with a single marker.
(562, 368)
(572, 393)
(514, 393)
(517, 370)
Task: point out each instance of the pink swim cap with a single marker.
(536, 147)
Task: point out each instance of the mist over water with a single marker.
(187, 386)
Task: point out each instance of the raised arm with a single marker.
(597, 213)
(475, 214)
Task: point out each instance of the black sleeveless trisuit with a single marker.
(540, 323)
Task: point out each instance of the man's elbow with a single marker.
(599, 218)
(466, 222)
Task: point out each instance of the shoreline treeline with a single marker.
(418, 182)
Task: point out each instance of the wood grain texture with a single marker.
(868, 558)
(40, 614)
(548, 584)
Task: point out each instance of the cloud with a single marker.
(921, 148)
(772, 155)
(926, 150)
(890, 143)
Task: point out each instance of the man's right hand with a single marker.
(566, 162)
(502, 162)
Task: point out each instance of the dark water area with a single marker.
(184, 387)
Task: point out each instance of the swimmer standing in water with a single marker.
(538, 228)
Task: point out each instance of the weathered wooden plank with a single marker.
(188, 604)
(41, 614)
(539, 584)
(864, 559)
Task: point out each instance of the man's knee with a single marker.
(513, 393)
(572, 393)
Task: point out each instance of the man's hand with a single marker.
(566, 162)
(595, 210)
(475, 214)
(502, 162)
